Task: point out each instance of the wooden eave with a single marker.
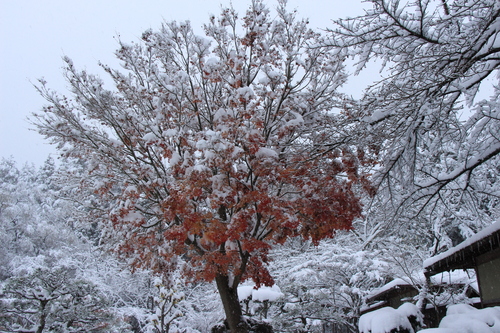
(465, 258)
(390, 293)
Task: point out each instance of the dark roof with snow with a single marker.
(464, 254)
(390, 289)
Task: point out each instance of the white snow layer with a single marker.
(386, 319)
(463, 318)
(266, 153)
(262, 294)
(480, 235)
(389, 286)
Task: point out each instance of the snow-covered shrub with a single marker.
(405, 319)
(202, 307)
(166, 308)
(258, 301)
(463, 318)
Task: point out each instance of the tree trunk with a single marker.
(43, 316)
(232, 307)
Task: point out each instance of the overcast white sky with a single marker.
(35, 34)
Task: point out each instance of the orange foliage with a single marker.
(216, 152)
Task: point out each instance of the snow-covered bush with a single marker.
(405, 319)
(258, 301)
(166, 308)
(463, 318)
(178, 306)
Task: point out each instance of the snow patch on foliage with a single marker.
(297, 121)
(174, 159)
(261, 294)
(266, 153)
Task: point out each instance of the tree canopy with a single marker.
(208, 151)
(438, 139)
(216, 147)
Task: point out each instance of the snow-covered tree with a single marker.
(33, 221)
(45, 251)
(436, 132)
(166, 307)
(202, 309)
(325, 284)
(53, 300)
(214, 148)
